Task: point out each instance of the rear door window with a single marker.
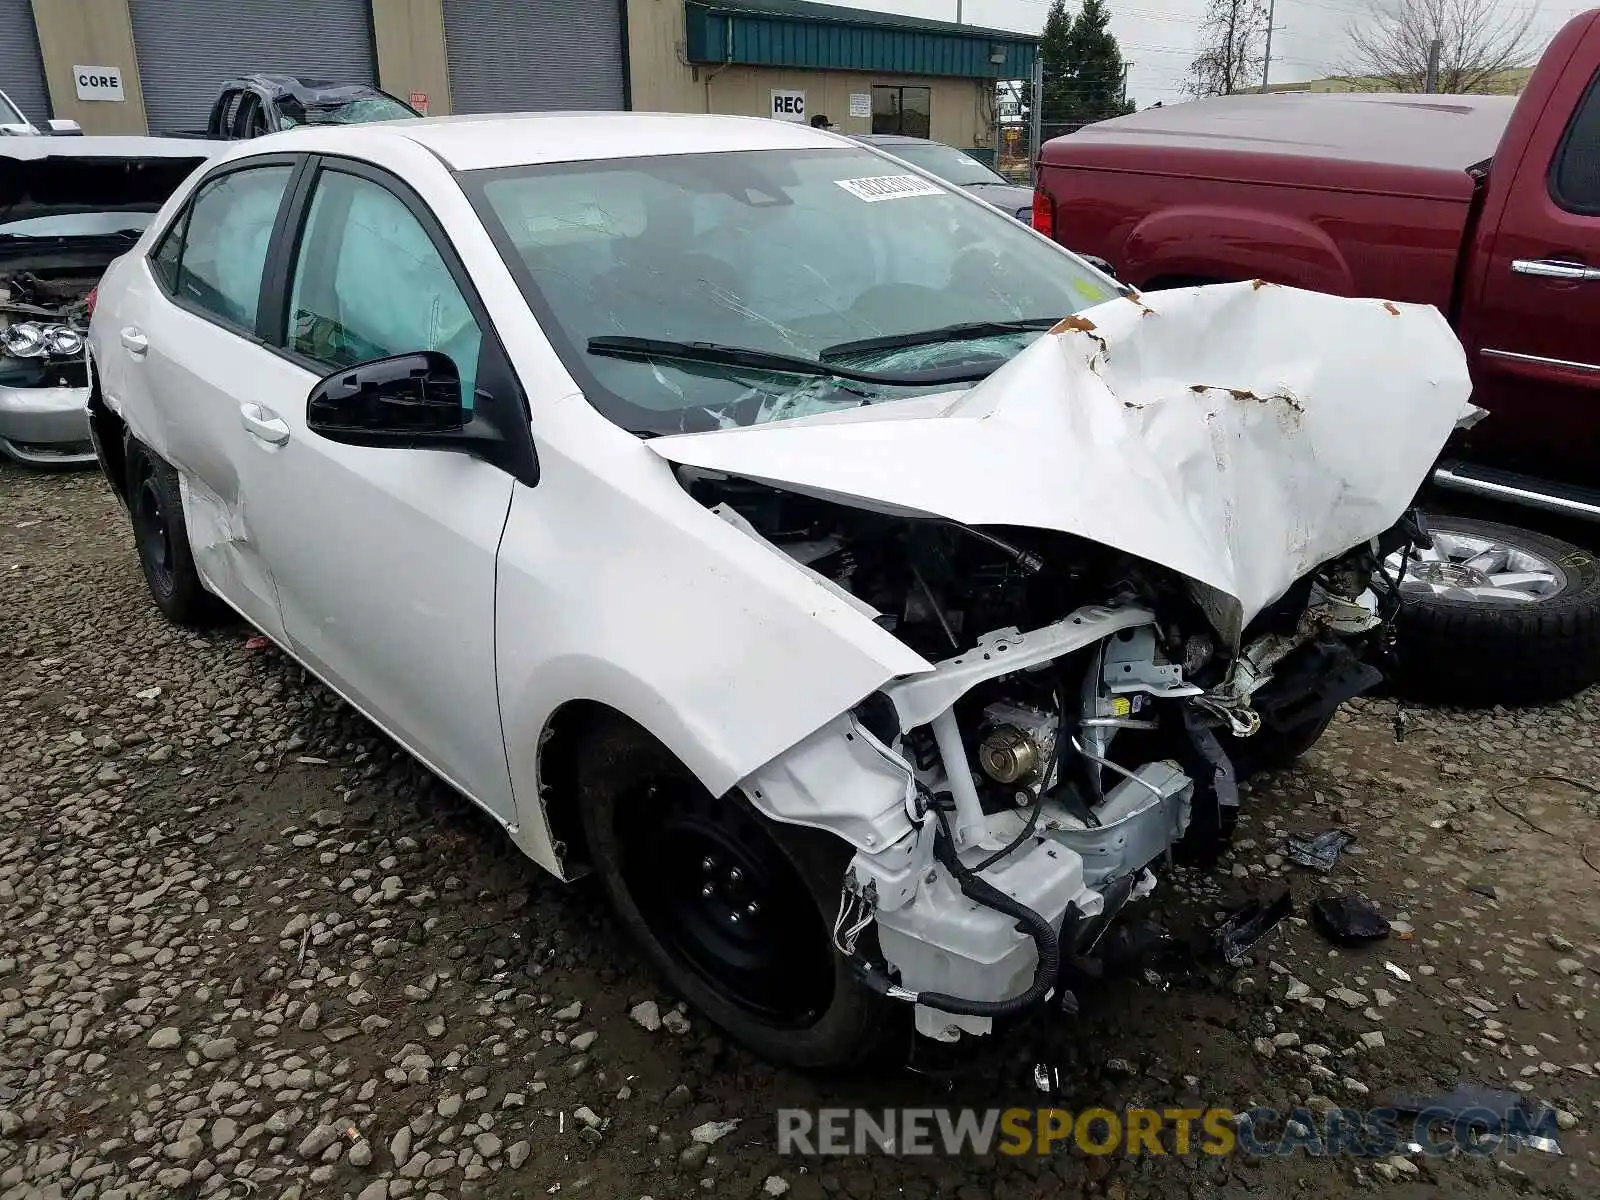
(224, 248)
(1575, 174)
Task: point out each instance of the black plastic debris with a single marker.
(1488, 1113)
(1321, 852)
(1249, 923)
(1349, 919)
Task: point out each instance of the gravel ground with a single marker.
(248, 947)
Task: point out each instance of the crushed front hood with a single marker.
(1240, 435)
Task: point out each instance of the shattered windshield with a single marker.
(359, 111)
(785, 252)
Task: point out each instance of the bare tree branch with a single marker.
(1229, 61)
(1480, 41)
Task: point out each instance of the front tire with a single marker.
(732, 908)
(1273, 749)
(155, 507)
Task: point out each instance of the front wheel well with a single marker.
(569, 729)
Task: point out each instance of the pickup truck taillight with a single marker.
(1044, 213)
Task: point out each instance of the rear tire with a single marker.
(735, 910)
(155, 507)
(1456, 646)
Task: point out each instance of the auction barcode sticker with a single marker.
(889, 187)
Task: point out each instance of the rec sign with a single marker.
(98, 83)
(788, 106)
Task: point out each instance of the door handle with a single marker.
(134, 342)
(1548, 268)
(264, 424)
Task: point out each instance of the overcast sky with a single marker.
(1158, 36)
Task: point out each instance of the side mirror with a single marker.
(65, 128)
(1099, 264)
(406, 400)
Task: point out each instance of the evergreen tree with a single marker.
(1083, 67)
(1097, 64)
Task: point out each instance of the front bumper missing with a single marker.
(922, 834)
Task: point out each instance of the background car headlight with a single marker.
(30, 339)
(63, 341)
(24, 340)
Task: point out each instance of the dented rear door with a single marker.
(204, 368)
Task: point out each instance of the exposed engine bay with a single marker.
(43, 322)
(1075, 732)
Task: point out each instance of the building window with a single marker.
(907, 110)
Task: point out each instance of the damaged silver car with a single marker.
(68, 206)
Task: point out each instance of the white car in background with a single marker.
(728, 509)
(14, 123)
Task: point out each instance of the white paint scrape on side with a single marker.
(1240, 434)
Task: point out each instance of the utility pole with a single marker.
(1035, 116)
(1266, 61)
(1124, 97)
(958, 12)
(1435, 49)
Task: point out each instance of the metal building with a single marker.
(787, 59)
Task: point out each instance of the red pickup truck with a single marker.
(1486, 206)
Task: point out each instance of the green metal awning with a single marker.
(796, 33)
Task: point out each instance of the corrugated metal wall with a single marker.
(534, 55)
(187, 48)
(718, 36)
(21, 68)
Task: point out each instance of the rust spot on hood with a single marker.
(1257, 284)
(1245, 394)
(1073, 324)
(1391, 308)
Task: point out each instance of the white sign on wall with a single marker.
(98, 83)
(788, 105)
(860, 104)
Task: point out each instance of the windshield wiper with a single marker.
(945, 333)
(781, 364)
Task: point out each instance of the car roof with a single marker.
(471, 143)
(894, 139)
(304, 88)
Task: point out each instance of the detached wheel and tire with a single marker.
(735, 910)
(1493, 614)
(155, 507)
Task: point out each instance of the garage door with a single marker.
(187, 48)
(533, 55)
(21, 68)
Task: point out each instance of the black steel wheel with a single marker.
(155, 508)
(717, 890)
(734, 909)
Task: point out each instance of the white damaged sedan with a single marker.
(872, 593)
